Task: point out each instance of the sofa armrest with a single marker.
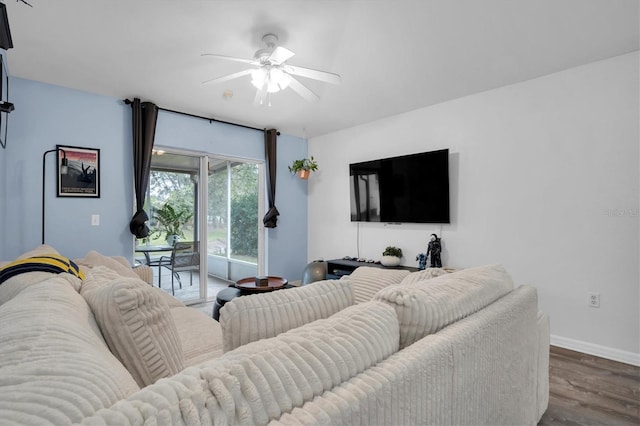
(250, 318)
(145, 273)
(543, 363)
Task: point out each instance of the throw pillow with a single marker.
(425, 307)
(40, 250)
(117, 264)
(136, 324)
(15, 283)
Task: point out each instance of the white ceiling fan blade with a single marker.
(230, 58)
(303, 90)
(280, 54)
(228, 77)
(327, 77)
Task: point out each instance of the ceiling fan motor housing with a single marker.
(262, 55)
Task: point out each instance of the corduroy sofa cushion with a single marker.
(424, 307)
(55, 368)
(249, 318)
(425, 274)
(258, 382)
(368, 280)
(136, 324)
(117, 264)
(200, 335)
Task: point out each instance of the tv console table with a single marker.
(337, 268)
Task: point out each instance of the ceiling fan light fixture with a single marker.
(274, 78)
(258, 77)
(280, 78)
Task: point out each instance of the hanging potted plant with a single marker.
(171, 221)
(391, 256)
(304, 167)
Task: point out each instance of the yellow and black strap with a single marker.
(47, 263)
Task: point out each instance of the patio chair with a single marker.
(185, 256)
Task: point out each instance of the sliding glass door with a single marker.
(204, 222)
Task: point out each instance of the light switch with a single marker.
(95, 220)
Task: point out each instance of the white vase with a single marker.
(390, 261)
(173, 239)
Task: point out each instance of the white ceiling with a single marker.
(393, 56)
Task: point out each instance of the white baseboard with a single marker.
(597, 350)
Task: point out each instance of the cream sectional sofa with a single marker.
(106, 348)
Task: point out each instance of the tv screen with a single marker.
(410, 189)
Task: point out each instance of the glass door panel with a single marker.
(173, 200)
(234, 230)
(244, 212)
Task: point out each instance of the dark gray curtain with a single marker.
(145, 116)
(270, 219)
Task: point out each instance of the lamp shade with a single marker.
(64, 165)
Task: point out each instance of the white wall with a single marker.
(544, 180)
(3, 186)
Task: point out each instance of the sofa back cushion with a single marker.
(136, 324)
(425, 274)
(250, 318)
(55, 368)
(367, 280)
(424, 307)
(258, 382)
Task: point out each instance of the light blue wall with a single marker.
(286, 244)
(45, 116)
(48, 115)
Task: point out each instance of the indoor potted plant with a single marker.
(391, 256)
(304, 167)
(171, 221)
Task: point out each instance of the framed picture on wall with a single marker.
(81, 176)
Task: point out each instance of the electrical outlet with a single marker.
(594, 300)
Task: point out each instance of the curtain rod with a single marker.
(210, 120)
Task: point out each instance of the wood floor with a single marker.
(587, 390)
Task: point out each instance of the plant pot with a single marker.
(390, 261)
(303, 174)
(173, 239)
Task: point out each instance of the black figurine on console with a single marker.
(434, 250)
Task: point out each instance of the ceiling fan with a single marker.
(273, 74)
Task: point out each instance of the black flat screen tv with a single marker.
(407, 189)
